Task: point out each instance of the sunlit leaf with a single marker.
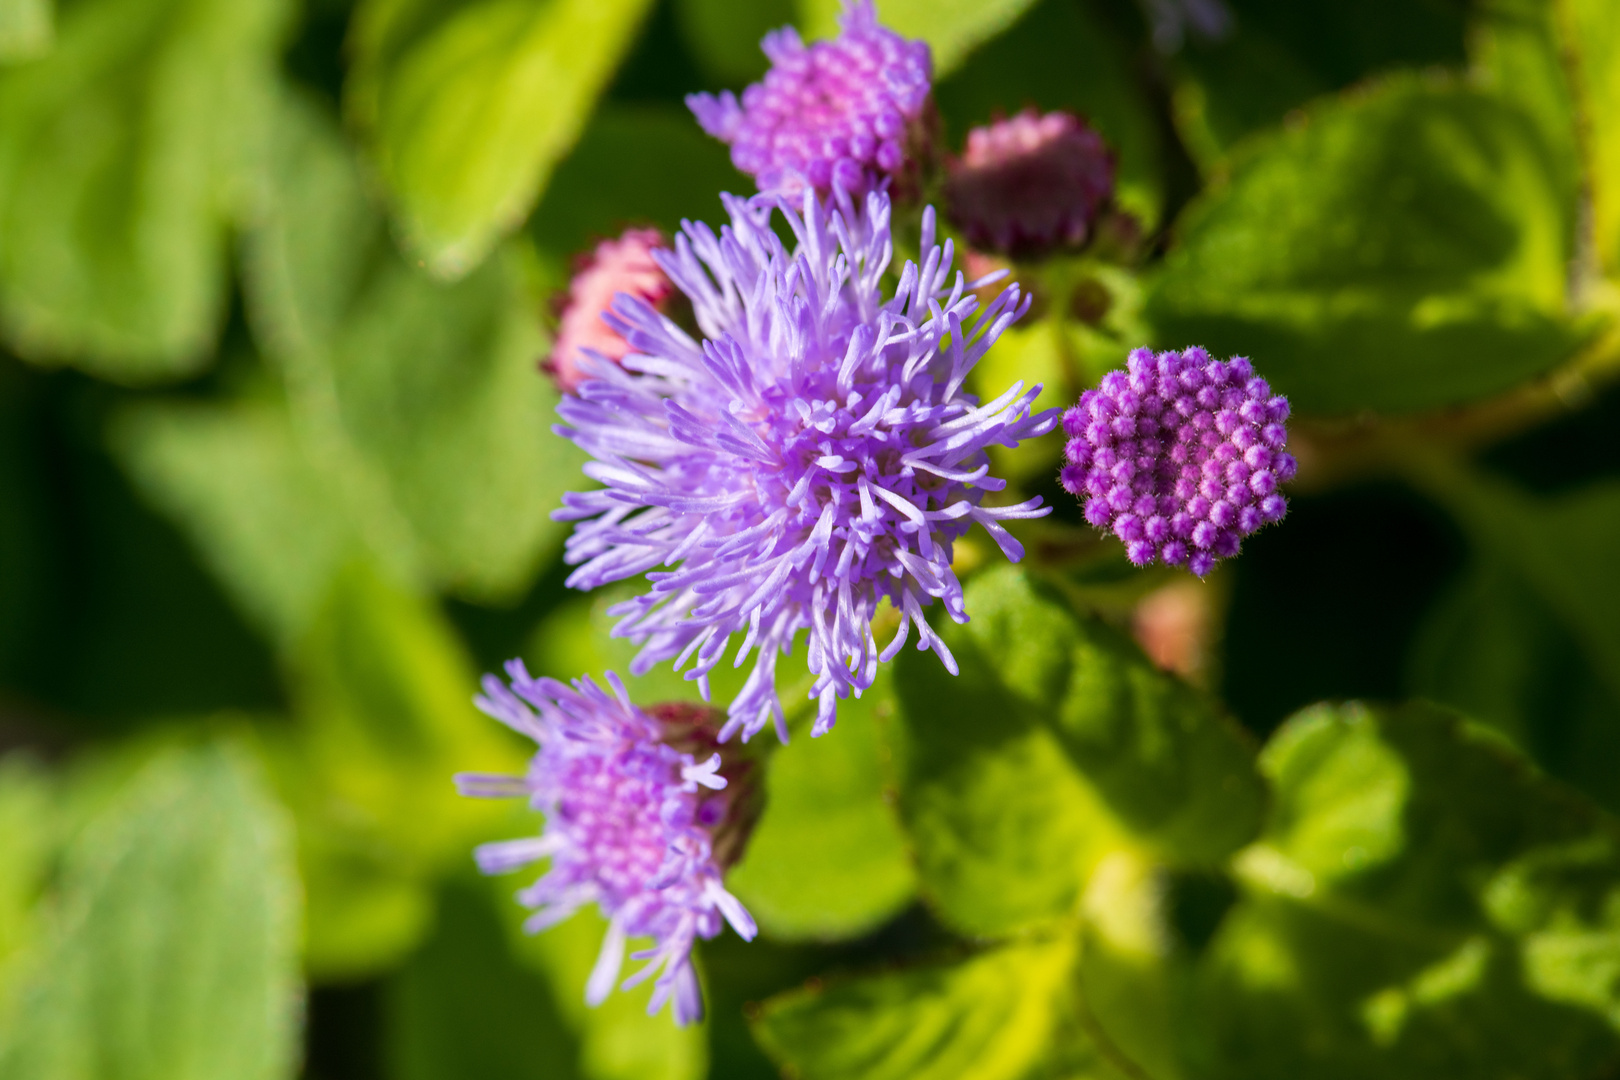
(1405, 248)
(26, 28)
(125, 154)
(1421, 903)
(29, 821)
(383, 698)
(1004, 1014)
(827, 859)
(1591, 40)
(174, 954)
(952, 28)
(467, 107)
(1056, 744)
(422, 399)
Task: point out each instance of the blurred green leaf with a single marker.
(26, 28)
(1091, 749)
(468, 106)
(174, 950)
(952, 28)
(1514, 52)
(1005, 1014)
(1061, 56)
(827, 860)
(1402, 249)
(265, 518)
(602, 185)
(724, 35)
(125, 154)
(1422, 903)
(463, 1008)
(1277, 55)
(618, 1040)
(1592, 40)
(421, 399)
(383, 695)
(1529, 640)
(29, 822)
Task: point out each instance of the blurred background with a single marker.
(276, 469)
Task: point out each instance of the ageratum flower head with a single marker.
(1179, 456)
(632, 825)
(836, 115)
(812, 456)
(617, 266)
(1031, 184)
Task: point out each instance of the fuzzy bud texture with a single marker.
(1180, 456)
(813, 456)
(836, 115)
(1031, 184)
(629, 823)
(617, 266)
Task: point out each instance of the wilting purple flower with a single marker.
(1179, 456)
(812, 456)
(1030, 184)
(835, 114)
(632, 824)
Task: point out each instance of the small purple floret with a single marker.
(812, 456)
(1180, 456)
(837, 114)
(626, 818)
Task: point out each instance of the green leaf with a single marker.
(1592, 41)
(1061, 56)
(26, 28)
(1422, 903)
(464, 1008)
(1004, 1014)
(602, 186)
(421, 398)
(467, 107)
(266, 519)
(1276, 56)
(175, 951)
(1091, 749)
(125, 154)
(952, 28)
(32, 830)
(383, 696)
(1404, 248)
(827, 860)
(618, 1040)
(724, 35)
(1514, 52)
(1529, 641)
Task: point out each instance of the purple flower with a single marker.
(836, 114)
(1030, 184)
(814, 455)
(1179, 456)
(632, 823)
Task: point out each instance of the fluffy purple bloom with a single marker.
(812, 456)
(630, 826)
(838, 114)
(1179, 456)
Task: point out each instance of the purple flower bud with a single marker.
(643, 816)
(835, 115)
(1030, 185)
(1216, 456)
